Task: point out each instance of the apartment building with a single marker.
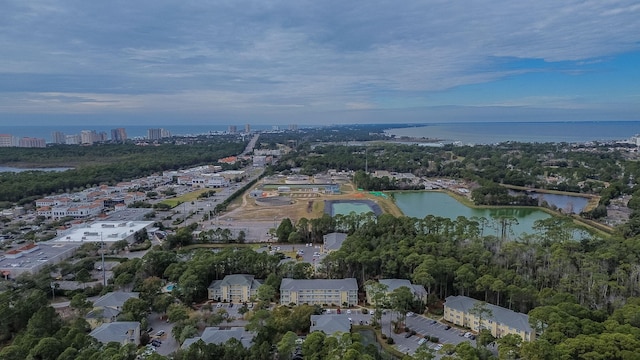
(392, 284)
(500, 321)
(237, 288)
(336, 292)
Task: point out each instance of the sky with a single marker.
(155, 62)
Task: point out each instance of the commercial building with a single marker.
(102, 231)
(237, 288)
(333, 292)
(31, 258)
(500, 321)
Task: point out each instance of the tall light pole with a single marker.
(104, 274)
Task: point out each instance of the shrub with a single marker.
(390, 341)
(434, 339)
(383, 336)
(365, 311)
(413, 332)
(406, 329)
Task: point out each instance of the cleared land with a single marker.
(307, 205)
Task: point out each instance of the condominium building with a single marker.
(336, 292)
(6, 140)
(29, 142)
(58, 137)
(118, 135)
(418, 291)
(500, 321)
(236, 288)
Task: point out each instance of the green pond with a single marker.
(347, 208)
(423, 203)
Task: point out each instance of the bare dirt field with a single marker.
(305, 204)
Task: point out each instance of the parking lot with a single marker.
(422, 326)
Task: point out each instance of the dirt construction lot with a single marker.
(247, 213)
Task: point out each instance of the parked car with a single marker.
(437, 347)
(160, 333)
(372, 312)
(407, 335)
(348, 311)
(447, 327)
(410, 314)
(422, 341)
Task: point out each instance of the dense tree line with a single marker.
(106, 164)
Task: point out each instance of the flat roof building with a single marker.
(31, 258)
(102, 231)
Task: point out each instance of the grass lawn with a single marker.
(188, 197)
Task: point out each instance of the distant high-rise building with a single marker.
(89, 137)
(293, 127)
(118, 135)
(58, 137)
(157, 134)
(233, 129)
(72, 139)
(154, 134)
(247, 128)
(6, 140)
(275, 128)
(29, 142)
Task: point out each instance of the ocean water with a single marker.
(496, 132)
(467, 133)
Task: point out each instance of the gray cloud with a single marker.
(251, 57)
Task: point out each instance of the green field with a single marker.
(188, 197)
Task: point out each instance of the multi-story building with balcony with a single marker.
(237, 288)
(459, 310)
(337, 292)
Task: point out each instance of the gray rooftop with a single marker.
(114, 299)
(500, 315)
(333, 241)
(316, 284)
(216, 335)
(103, 313)
(392, 284)
(330, 324)
(118, 331)
(236, 280)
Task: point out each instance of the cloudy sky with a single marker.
(317, 62)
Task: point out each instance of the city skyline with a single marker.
(150, 64)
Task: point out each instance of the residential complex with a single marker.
(330, 324)
(332, 242)
(217, 335)
(121, 332)
(334, 292)
(500, 321)
(418, 291)
(107, 308)
(237, 288)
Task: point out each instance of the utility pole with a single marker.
(366, 161)
(104, 274)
